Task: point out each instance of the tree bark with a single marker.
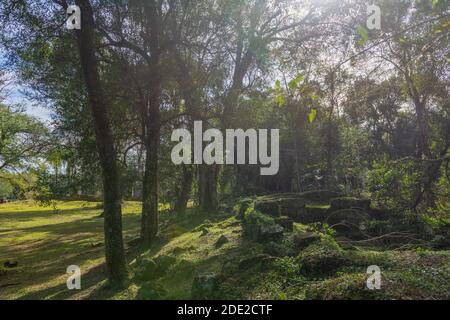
(185, 191)
(208, 187)
(114, 250)
(152, 125)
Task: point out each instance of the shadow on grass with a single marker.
(76, 242)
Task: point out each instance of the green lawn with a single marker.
(45, 243)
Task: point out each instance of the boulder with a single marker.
(270, 232)
(292, 207)
(242, 208)
(320, 196)
(228, 267)
(314, 215)
(146, 269)
(276, 207)
(261, 228)
(149, 269)
(350, 203)
(321, 259)
(277, 249)
(253, 261)
(204, 286)
(302, 240)
(221, 241)
(286, 222)
(164, 262)
(269, 207)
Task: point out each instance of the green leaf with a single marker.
(278, 84)
(312, 115)
(295, 82)
(364, 34)
(279, 100)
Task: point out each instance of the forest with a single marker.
(225, 149)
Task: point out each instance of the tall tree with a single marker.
(114, 250)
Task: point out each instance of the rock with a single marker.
(279, 206)
(228, 267)
(269, 207)
(221, 241)
(292, 207)
(276, 249)
(321, 259)
(304, 239)
(314, 215)
(286, 222)
(350, 203)
(320, 196)
(267, 263)
(184, 267)
(243, 206)
(149, 269)
(164, 262)
(204, 286)
(252, 261)
(11, 264)
(146, 269)
(270, 232)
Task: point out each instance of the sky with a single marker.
(17, 97)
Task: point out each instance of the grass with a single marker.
(45, 243)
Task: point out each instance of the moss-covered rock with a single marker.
(205, 286)
(241, 207)
(314, 214)
(258, 260)
(321, 259)
(261, 228)
(281, 206)
(146, 269)
(301, 240)
(221, 241)
(350, 203)
(286, 222)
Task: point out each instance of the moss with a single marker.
(344, 287)
(321, 259)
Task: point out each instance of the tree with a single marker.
(114, 250)
(22, 139)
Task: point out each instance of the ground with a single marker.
(46, 241)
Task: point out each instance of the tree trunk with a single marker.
(208, 187)
(186, 185)
(152, 125)
(114, 251)
(149, 221)
(423, 148)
